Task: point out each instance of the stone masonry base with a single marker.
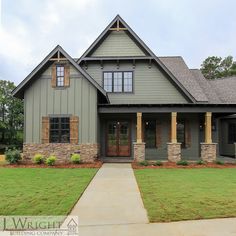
(174, 152)
(208, 152)
(139, 152)
(62, 151)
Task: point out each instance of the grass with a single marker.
(187, 194)
(36, 191)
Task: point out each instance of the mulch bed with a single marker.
(171, 165)
(97, 164)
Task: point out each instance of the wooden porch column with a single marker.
(208, 138)
(139, 127)
(173, 127)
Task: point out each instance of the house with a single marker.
(120, 100)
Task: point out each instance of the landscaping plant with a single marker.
(12, 156)
(75, 158)
(158, 163)
(200, 162)
(218, 162)
(38, 159)
(51, 160)
(144, 163)
(182, 163)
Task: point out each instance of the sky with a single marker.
(193, 29)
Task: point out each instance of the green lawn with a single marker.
(185, 194)
(35, 191)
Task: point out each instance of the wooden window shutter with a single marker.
(54, 76)
(67, 75)
(74, 129)
(187, 134)
(45, 129)
(158, 134)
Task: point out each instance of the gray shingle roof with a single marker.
(218, 91)
(206, 86)
(225, 89)
(180, 70)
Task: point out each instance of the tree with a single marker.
(11, 114)
(215, 67)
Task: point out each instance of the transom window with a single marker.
(59, 130)
(231, 133)
(118, 82)
(60, 74)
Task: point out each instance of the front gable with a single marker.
(57, 56)
(117, 43)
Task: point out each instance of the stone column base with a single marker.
(139, 152)
(174, 152)
(208, 152)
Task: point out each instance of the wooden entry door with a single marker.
(118, 138)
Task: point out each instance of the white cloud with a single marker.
(192, 29)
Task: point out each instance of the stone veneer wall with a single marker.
(139, 152)
(174, 152)
(89, 152)
(208, 152)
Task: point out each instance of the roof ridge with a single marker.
(169, 56)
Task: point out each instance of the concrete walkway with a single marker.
(112, 205)
(112, 197)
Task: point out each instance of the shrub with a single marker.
(12, 156)
(38, 159)
(182, 163)
(218, 162)
(144, 163)
(75, 158)
(158, 163)
(50, 161)
(200, 162)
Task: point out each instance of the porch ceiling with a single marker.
(167, 108)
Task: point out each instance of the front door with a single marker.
(118, 138)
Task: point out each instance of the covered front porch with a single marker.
(158, 135)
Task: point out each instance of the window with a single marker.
(117, 78)
(150, 134)
(60, 72)
(107, 81)
(118, 82)
(59, 130)
(231, 133)
(181, 133)
(128, 81)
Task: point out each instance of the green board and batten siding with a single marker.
(79, 99)
(150, 85)
(118, 43)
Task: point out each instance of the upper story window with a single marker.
(60, 75)
(118, 82)
(231, 133)
(59, 130)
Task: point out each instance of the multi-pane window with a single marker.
(128, 81)
(60, 73)
(118, 82)
(150, 134)
(107, 81)
(231, 133)
(181, 132)
(59, 130)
